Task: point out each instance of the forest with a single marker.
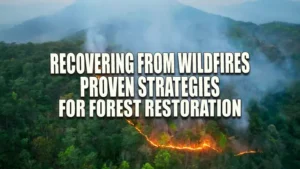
(33, 136)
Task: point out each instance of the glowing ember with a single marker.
(247, 152)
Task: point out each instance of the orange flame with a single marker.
(247, 152)
(203, 146)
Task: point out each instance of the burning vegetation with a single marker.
(205, 144)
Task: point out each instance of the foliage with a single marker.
(162, 159)
(124, 165)
(147, 166)
(32, 135)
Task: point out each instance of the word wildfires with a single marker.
(148, 63)
(184, 108)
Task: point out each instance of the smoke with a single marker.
(96, 42)
(138, 26)
(256, 11)
(265, 77)
(168, 26)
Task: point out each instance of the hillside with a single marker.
(86, 14)
(260, 11)
(32, 135)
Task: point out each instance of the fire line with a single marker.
(201, 147)
(247, 152)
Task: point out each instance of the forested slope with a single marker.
(32, 135)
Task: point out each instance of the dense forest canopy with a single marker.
(33, 136)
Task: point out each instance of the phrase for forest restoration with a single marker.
(150, 84)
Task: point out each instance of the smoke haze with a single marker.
(167, 26)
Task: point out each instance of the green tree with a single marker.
(147, 166)
(43, 147)
(69, 158)
(162, 159)
(14, 95)
(124, 165)
(105, 166)
(222, 140)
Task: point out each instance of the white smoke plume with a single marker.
(168, 26)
